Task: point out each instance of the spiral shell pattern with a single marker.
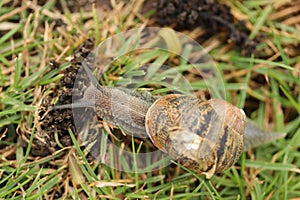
(204, 136)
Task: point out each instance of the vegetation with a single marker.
(266, 85)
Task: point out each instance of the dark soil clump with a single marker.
(59, 121)
(213, 16)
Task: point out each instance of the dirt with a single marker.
(60, 120)
(212, 15)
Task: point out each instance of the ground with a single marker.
(254, 45)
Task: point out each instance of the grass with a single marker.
(267, 87)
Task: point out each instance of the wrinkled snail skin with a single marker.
(255, 136)
(207, 137)
(118, 106)
(124, 108)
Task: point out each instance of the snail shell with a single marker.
(204, 136)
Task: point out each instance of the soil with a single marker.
(212, 15)
(60, 120)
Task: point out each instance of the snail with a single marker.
(207, 137)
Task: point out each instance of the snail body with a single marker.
(207, 137)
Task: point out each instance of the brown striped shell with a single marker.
(204, 136)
